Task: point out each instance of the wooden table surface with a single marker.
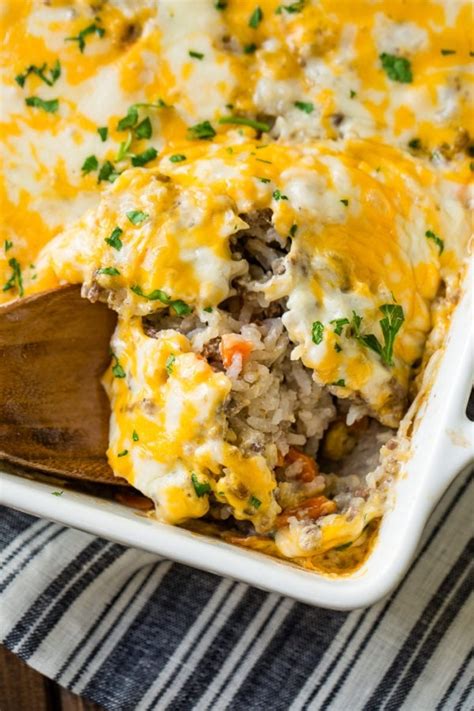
(24, 689)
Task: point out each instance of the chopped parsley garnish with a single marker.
(201, 488)
(15, 280)
(169, 363)
(117, 370)
(341, 383)
(277, 195)
(414, 144)
(317, 331)
(397, 68)
(135, 436)
(390, 325)
(57, 493)
(144, 129)
(201, 130)
(262, 160)
(264, 180)
(54, 73)
(136, 217)
(220, 4)
(123, 453)
(293, 229)
(108, 271)
(339, 324)
(114, 239)
(179, 306)
(177, 158)
(254, 502)
(345, 202)
(437, 240)
(107, 172)
(49, 106)
(103, 132)
(7, 245)
(352, 94)
(242, 121)
(208, 309)
(124, 148)
(290, 9)
(250, 48)
(305, 106)
(145, 157)
(337, 348)
(91, 163)
(445, 52)
(195, 55)
(81, 37)
(256, 17)
(129, 120)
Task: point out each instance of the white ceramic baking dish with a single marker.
(442, 445)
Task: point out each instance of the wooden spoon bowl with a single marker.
(54, 413)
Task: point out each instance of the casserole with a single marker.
(260, 313)
(442, 446)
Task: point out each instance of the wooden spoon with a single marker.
(54, 413)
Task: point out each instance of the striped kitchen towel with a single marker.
(133, 632)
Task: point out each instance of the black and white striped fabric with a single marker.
(135, 632)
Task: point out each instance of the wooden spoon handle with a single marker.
(54, 413)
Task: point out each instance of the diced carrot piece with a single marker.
(311, 508)
(231, 345)
(309, 467)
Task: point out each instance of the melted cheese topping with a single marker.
(123, 167)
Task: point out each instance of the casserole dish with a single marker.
(441, 447)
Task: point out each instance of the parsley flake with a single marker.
(135, 436)
(341, 383)
(195, 55)
(180, 307)
(177, 158)
(7, 245)
(103, 132)
(57, 493)
(15, 280)
(242, 121)
(290, 9)
(437, 240)
(277, 195)
(123, 453)
(107, 172)
(344, 202)
(145, 157)
(201, 488)
(109, 271)
(317, 331)
(445, 52)
(91, 163)
(250, 48)
(169, 363)
(293, 229)
(144, 129)
(264, 180)
(414, 144)
(54, 73)
(254, 502)
(201, 131)
(305, 106)
(396, 68)
(114, 239)
(81, 37)
(256, 17)
(49, 106)
(220, 4)
(136, 217)
(117, 370)
(339, 324)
